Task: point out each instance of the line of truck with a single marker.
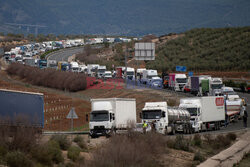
(111, 115)
(196, 114)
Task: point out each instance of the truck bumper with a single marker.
(99, 132)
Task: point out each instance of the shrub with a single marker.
(78, 139)
(231, 136)
(198, 157)
(131, 149)
(49, 77)
(62, 141)
(80, 142)
(221, 142)
(54, 151)
(73, 153)
(17, 159)
(179, 143)
(42, 155)
(197, 140)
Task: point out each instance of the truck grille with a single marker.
(99, 127)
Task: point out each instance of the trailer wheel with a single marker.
(173, 130)
(185, 129)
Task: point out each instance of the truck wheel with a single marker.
(185, 130)
(173, 130)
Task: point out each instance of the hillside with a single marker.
(119, 17)
(205, 49)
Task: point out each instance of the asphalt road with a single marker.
(63, 55)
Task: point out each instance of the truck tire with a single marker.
(173, 130)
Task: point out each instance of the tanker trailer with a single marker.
(167, 120)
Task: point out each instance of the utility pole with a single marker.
(126, 66)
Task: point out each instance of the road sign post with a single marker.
(145, 51)
(72, 115)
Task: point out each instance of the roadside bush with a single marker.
(197, 140)
(131, 149)
(179, 143)
(198, 157)
(17, 159)
(54, 151)
(73, 153)
(78, 139)
(62, 141)
(41, 155)
(49, 77)
(231, 136)
(80, 142)
(221, 141)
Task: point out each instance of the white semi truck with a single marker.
(147, 76)
(206, 112)
(74, 66)
(101, 71)
(215, 87)
(111, 114)
(177, 82)
(167, 120)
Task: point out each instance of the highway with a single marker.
(63, 55)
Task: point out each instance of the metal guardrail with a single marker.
(65, 132)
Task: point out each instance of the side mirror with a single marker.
(163, 114)
(140, 115)
(87, 118)
(113, 115)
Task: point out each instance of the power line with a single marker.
(28, 25)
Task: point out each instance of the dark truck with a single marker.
(200, 85)
(21, 108)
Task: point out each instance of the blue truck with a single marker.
(42, 64)
(21, 108)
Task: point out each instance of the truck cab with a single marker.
(193, 107)
(166, 120)
(101, 118)
(130, 73)
(177, 81)
(215, 86)
(74, 67)
(148, 75)
(42, 64)
(101, 71)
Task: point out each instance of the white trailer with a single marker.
(206, 112)
(147, 75)
(167, 120)
(111, 114)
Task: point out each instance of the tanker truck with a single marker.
(167, 120)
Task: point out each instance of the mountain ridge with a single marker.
(119, 17)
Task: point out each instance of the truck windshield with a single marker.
(151, 76)
(96, 116)
(192, 111)
(130, 73)
(216, 86)
(151, 114)
(101, 70)
(181, 80)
